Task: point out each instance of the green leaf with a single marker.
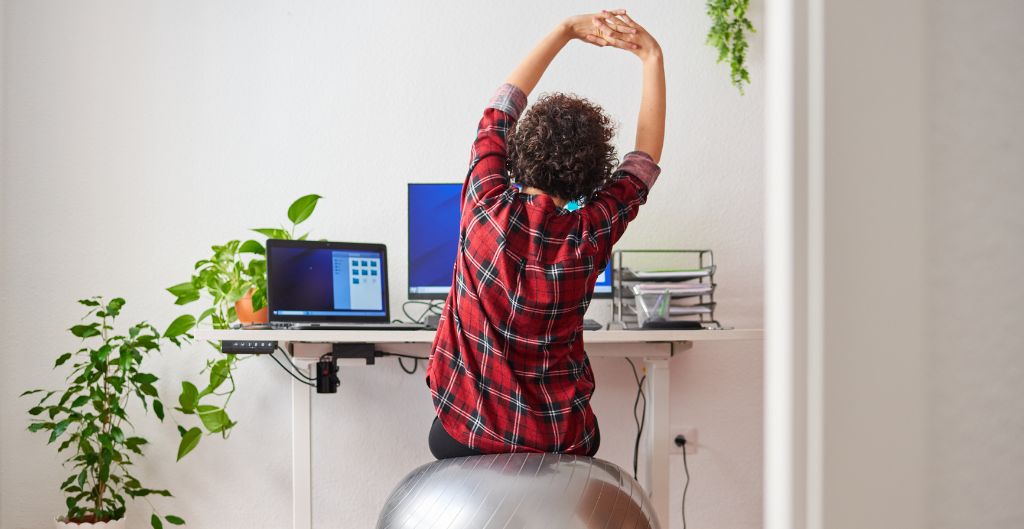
(206, 314)
(181, 325)
(114, 307)
(189, 442)
(59, 429)
(252, 246)
(144, 378)
(154, 520)
(302, 208)
(61, 359)
(85, 331)
(214, 419)
(31, 391)
(182, 289)
(220, 372)
(272, 233)
(80, 401)
(184, 292)
(36, 410)
(158, 408)
(89, 302)
(174, 519)
(148, 389)
(189, 397)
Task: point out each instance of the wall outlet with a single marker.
(692, 442)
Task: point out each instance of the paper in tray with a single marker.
(667, 275)
(674, 289)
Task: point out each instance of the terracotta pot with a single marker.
(243, 309)
(113, 524)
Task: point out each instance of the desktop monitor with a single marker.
(434, 241)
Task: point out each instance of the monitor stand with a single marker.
(432, 321)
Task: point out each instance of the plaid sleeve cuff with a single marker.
(509, 99)
(641, 165)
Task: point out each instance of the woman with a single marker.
(508, 371)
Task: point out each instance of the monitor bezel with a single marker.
(329, 245)
(408, 239)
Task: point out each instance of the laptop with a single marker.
(329, 285)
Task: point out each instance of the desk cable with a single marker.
(295, 372)
(643, 415)
(433, 306)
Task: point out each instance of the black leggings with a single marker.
(443, 446)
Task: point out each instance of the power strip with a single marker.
(248, 347)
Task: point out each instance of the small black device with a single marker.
(327, 375)
(248, 347)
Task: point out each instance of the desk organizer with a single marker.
(663, 289)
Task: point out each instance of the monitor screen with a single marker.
(323, 280)
(434, 241)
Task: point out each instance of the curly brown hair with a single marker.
(562, 146)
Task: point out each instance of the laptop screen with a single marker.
(322, 281)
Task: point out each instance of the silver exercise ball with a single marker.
(518, 491)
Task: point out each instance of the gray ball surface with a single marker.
(518, 491)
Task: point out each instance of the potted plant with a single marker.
(234, 281)
(89, 418)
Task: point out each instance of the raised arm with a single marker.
(650, 126)
(532, 67)
(487, 175)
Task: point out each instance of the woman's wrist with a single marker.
(567, 29)
(652, 55)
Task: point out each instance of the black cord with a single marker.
(295, 367)
(643, 417)
(415, 366)
(432, 306)
(401, 357)
(686, 467)
(306, 382)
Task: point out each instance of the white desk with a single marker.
(655, 348)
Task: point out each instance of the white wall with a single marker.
(139, 133)
(976, 302)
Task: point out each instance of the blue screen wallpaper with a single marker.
(434, 239)
(433, 234)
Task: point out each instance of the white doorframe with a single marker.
(794, 264)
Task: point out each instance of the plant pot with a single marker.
(243, 309)
(113, 524)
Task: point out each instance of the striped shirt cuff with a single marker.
(641, 165)
(509, 99)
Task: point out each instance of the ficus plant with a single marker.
(729, 24)
(233, 270)
(89, 417)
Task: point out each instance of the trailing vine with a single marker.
(729, 24)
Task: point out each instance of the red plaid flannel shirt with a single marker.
(508, 371)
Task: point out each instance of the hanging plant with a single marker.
(234, 281)
(729, 24)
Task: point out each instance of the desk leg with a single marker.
(656, 477)
(302, 457)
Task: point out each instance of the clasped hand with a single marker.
(613, 28)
